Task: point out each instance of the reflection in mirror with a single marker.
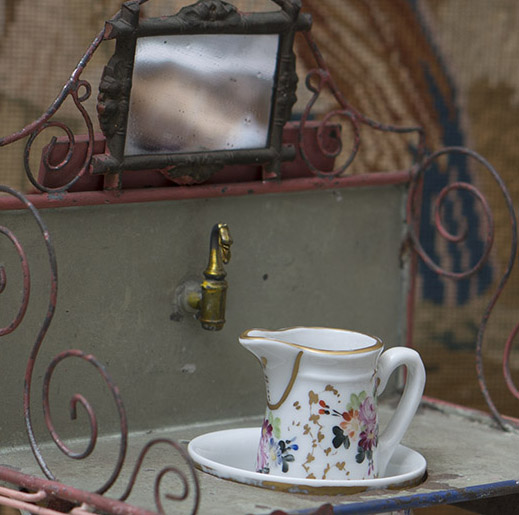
(201, 93)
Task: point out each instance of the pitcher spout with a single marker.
(280, 361)
(261, 343)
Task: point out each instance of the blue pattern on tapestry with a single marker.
(434, 181)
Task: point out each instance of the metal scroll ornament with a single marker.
(190, 486)
(318, 81)
(413, 216)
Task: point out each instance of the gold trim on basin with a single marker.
(313, 490)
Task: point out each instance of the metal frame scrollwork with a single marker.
(80, 91)
(319, 80)
(413, 216)
(45, 489)
(506, 363)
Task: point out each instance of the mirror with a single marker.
(200, 93)
(207, 87)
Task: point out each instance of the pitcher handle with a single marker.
(388, 362)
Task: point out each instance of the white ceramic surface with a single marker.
(322, 401)
(231, 454)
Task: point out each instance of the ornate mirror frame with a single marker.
(203, 17)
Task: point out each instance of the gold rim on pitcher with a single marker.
(377, 345)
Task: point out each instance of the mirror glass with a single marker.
(201, 93)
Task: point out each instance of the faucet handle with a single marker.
(225, 241)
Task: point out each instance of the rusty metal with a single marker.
(319, 80)
(110, 116)
(99, 198)
(73, 497)
(78, 101)
(500, 490)
(26, 281)
(77, 398)
(72, 88)
(412, 217)
(80, 91)
(145, 179)
(52, 488)
(163, 472)
(506, 363)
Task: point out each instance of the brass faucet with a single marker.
(209, 299)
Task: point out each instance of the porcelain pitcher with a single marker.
(322, 387)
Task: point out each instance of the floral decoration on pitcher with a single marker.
(359, 422)
(273, 449)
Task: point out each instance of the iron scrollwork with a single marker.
(80, 91)
(413, 215)
(65, 355)
(46, 489)
(318, 81)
